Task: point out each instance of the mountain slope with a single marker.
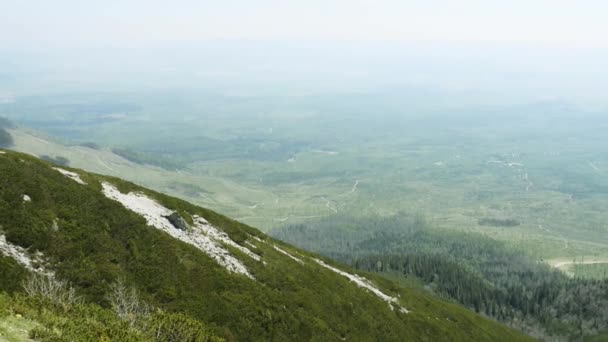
(220, 193)
(92, 230)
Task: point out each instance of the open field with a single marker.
(584, 267)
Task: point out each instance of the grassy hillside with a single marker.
(89, 240)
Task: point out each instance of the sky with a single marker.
(566, 23)
(535, 48)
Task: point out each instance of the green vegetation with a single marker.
(12, 274)
(488, 174)
(498, 222)
(90, 145)
(92, 242)
(41, 319)
(272, 160)
(590, 271)
(481, 273)
(6, 123)
(59, 160)
(6, 140)
(146, 158)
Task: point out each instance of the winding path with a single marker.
(328, 205)
(564, 264)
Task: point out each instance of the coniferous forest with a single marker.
(486, 275)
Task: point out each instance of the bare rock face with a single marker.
(177, 221)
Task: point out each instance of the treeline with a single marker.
(6, 140)
(6, 123)
(146, 158)
(59, 160)
(481, 273)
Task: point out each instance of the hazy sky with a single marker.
(125, 22)
(535, 48)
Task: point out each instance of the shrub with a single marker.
(177, 327)
(57, 291)
(126, 303)
(59, 160)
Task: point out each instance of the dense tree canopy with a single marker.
(476, 271)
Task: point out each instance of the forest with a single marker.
(6, 140)
(488, 276)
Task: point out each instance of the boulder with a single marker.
(177, 221)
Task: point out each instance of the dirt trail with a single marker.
(565, 264)
(329, 206)
(355, 186)
(352, 191)
(530, 184)
(103, 164)
(593, 166)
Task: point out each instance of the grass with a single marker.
(593, 271)
(35, 318)
(99, 241)
(546, 217)
(269, 169)
(15, 328)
